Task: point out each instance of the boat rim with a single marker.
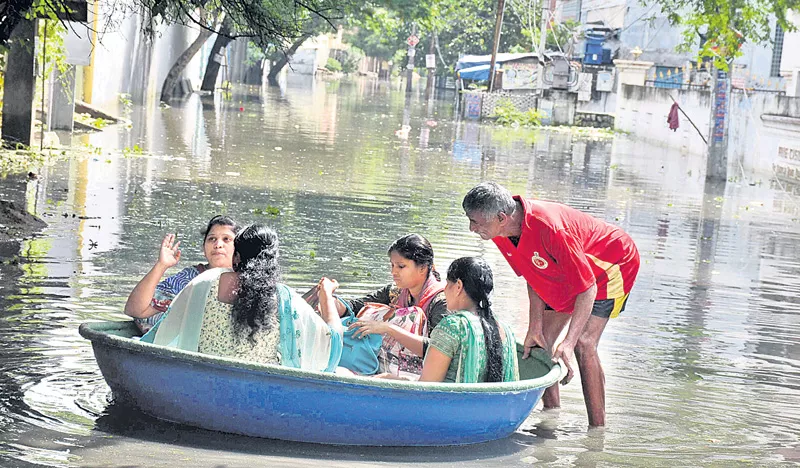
(97, 332)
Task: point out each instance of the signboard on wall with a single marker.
(430, 61)
(472, 105)
(520, 75)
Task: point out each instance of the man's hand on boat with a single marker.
(534, 339)
(564, 354)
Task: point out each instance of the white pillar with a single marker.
(62, 101)
(632, 72)
(793, 84)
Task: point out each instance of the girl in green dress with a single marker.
(470, 345)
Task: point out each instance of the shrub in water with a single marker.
(333, 65)
(505, 113)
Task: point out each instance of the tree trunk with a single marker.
(11, 12)
(18, 113)
(167, 91)
(287, 54)
(212, 68)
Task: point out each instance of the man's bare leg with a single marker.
(552, 324)
(593, 380)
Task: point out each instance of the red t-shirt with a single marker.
(563, 251)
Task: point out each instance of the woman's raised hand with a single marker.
(170, 253)
(328, 285)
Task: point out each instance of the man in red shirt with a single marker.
(577, 267)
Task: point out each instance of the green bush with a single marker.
(505, 113)
(350, 59)
(333, 65)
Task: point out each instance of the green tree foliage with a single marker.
(718, 28)
(462, 27)
(350, 58)
(266, 21)
(377, 31)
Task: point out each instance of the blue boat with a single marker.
(277, 402)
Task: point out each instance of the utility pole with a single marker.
(412, 42)
(542, 44)
(498, 25)
(431, 65)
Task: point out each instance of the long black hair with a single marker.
(476, 276)
(221, 220)
(417, 249)
(256, 305)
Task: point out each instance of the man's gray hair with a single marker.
(489, 199)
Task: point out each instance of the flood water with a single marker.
(702, 369)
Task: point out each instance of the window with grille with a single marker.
(777, 52)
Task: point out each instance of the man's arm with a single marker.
(580, 315)
(535, 336)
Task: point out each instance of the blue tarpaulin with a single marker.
(469, 61)
(479, 73)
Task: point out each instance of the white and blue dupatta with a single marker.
(306, 341)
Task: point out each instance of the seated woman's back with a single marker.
(470, 345)
(460, 336)
(222, 335)
(246, 314)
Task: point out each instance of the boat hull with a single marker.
(281, 403)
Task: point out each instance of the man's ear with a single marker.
(503, 218)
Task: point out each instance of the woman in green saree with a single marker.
(469, 345)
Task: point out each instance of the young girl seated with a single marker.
(247, 314)
(417, 287)
(469, 345)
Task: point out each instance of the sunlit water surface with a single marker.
(702, 368)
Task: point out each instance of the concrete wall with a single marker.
(128, 61)
(642, 111)
(605, 103)
(568, 10)
(313, 54)
(610, 12)
(658, 41)
(761, 126)
(790, 59)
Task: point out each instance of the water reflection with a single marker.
(702, 366)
